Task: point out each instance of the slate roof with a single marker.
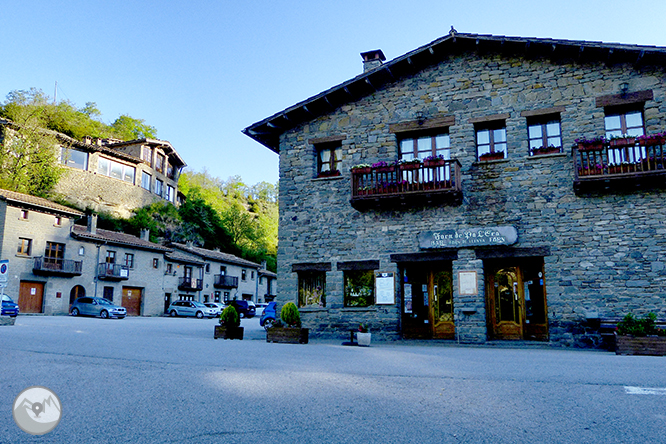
(116, 238)
(175, 256)
(268, 130)
(38, 203)
(216, 255)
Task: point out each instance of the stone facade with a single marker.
(599, 255)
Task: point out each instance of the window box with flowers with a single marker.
(652, 139)
(329, 173)
(498, 155)
(622, 141)
(362, 168)
(434, 161)
(541, 151)
(409, 165)
(594, 144)
(383, 167)
(640, 336)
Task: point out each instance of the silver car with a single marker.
(190, 308)
(97, 307)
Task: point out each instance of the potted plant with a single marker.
(363, 335)
(640, 336)
(551, 149)
(229, 327)
(498, 155)
(288, 328)
(434, 161)
(361, 168)
(383, 167)
(622, 141)
(593, 144)
(406, 165)
(652, 139)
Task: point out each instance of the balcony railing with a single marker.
(618, 165)
(112, 272)
(407, 185)
(46, 266)
(190, 284)
(224, 281)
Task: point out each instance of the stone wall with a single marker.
(607, 252)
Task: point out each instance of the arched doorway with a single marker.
(77, 292)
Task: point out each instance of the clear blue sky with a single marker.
(200, 71)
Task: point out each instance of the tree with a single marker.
(129, 128)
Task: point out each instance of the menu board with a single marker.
(385, 285)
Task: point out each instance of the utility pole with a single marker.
(55, 94)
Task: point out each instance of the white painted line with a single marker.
(644, 391)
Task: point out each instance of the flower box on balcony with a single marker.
(385, 169)
(410, 166)
(651, 140)
(434, 163)
(363, 170)
(590, 147)
(622, 142)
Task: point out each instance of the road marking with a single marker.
(644, 391)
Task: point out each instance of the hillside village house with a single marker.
(52, 261)
(534, 208)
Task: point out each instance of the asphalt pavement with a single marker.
(166, 380)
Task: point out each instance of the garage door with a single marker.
(132, 300)
(31, 297)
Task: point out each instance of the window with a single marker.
(110, 257)
(226, 296)
(57, 221)
(82, 251)
(169, 193)
(116, 170)
(243, 275)
(74, 158)
(223, 270)
(145, 180)
(624, 124)
(252, 274)
(217, 296)
(24, 215)
(329, 156)
(147, 154)
(108, 293)
(312, 288)
(54, 253)
(491, 141)
(207, 268)
(159, 163)
(156, 263)
(129, 260)
(359, 288)
(24, 247)
(169, 268)
(159, 187)
(425, 146)
(545, 135)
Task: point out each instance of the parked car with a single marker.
(216, 306)
(190, 308)
(268, 316)
(245, 309)
(101, 307)
(260, 308)
(9, 307)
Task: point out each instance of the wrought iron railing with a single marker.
(190, 284)
(47, 265)
(112, 271)
(614, 160)
(224, 281)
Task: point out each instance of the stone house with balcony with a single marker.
(221, 276)
(477, 188)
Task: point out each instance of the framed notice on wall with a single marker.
(467, 283)
(385, 288)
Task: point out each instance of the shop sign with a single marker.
(468, 237)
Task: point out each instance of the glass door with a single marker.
(428, 301)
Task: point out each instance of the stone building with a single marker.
(506, 227)
(115, 177)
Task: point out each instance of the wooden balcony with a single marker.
(224, 281)
(190, 284)
(45, 266)
(404, 186)
(112, 272)
(619, 168)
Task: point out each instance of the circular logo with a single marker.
(37, 410)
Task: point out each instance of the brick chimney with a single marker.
(372, 59)
(92, 224)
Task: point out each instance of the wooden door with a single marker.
(132, 300)
(31, 297)
(441, 306)
(428, 302)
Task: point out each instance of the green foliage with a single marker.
(128, 128)
(633, 326)
(290, 315)
(229, 317)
